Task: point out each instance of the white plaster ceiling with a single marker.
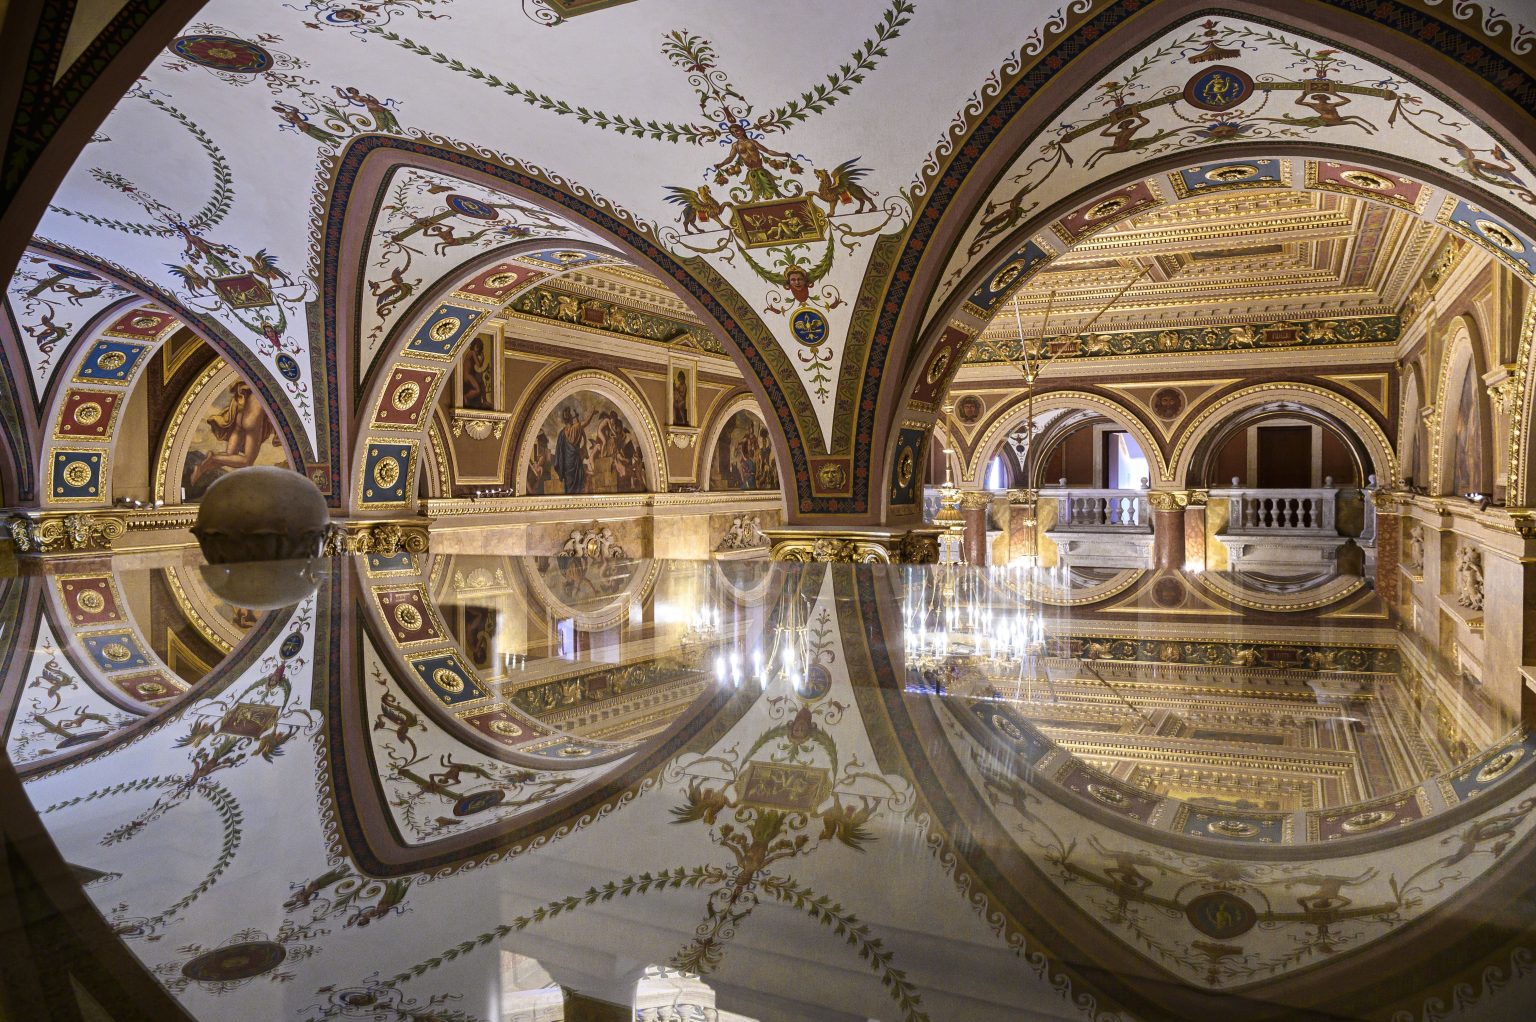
(222, 171)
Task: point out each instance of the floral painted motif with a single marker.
(428, 225)
(52, 300)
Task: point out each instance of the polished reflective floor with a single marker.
(489, 788)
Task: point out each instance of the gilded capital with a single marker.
(385, 538)
(77, 532)
(1167, 500)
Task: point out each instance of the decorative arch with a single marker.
(1014, 414)
(405, 378)
(705, 459)
(186, 421)
(97, 375)
(278, 397)
(629, 403)
(1203, 428)
(1462, 409)
(358, 171)
(1222, 433)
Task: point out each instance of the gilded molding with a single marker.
(72, 532)
(1247, 337)
(376, 537)
(855, 546)
(1168, 500)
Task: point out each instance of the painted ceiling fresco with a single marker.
(193, 179)
(782, 189)
(52, 301)
(427, 226)
(1224, 81)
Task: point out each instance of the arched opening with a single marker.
(1464, 425)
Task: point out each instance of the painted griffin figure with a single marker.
(844, 183)
(698, 207)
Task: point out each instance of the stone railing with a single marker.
(1094, 510)
(1269, 512)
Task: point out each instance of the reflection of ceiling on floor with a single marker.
(1246, 739)
(1262, 254)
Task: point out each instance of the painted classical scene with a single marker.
(586, 446)
(231, 430)
(743, 456)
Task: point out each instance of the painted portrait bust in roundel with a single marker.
(586, 445)
(743, 456)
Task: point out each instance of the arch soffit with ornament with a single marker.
(277, 396)
(97, 376)
(362, 170)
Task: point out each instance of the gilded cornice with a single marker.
(1250, 337)
(568, 307)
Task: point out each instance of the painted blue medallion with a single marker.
(440, 335)
(469, 206)
(1218, 88)
(1018, 268)
(386, 473)
(1494, 233)
(809, 326)
(116, 651)
(76, 475)
(110, 362)
(1213, 177)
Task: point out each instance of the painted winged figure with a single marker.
(698, 207)
(844, 183)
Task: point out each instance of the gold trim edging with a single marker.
(855, 546)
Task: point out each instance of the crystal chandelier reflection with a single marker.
(961, 619)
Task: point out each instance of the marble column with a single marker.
(1389, 532)
(973, 509)
(1168, 528)
(1194, 529)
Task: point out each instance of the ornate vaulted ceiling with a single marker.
(1230, 258)
(272, 174)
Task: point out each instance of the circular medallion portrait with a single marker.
(1167, 403)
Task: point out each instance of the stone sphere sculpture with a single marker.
(264, 585)
(261, 514)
